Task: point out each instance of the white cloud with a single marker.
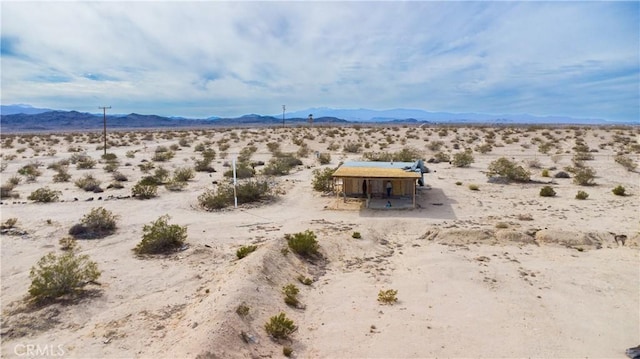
(231, 58)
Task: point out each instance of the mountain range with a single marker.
(24, 118)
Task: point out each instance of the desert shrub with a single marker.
(144, 189)
(68, 243)
(245, 251)
(161, 175)
(547, 191)
(45, 195)
(562, 174)
(324, 158)
(304, 280)
(109, 157)
(273, 147)
(55, 276)
(503, 167)
(9, 223)
(14, 180)
(204, 165)
(582, 195)
(6, 191)
(161, 237)
(322, 179)
(502, 225)
(441, 157)
(626, 162)
(248, 191)
(619, 190)
(290, 292)
(85, 162)
(462, 159)
(246, 153)
(484, 148)
(584, 176)
(388, 296)
(30, 171)
(287, 351)
(435, 146)
(183, 174)
(352, 147)
(95, 224)
(88, 183)
(243, 170)
(175, 186)
(242, 310)
(303, 243)
(279, 326)
(545, 173)
(118, 176)
(62, 175)
(356, 235)
(281, 165)
(162, 156)
(474, 187)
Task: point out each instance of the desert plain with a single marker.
(482, 267)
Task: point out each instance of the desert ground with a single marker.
(482, 268)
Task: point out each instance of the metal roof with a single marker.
(375, 172)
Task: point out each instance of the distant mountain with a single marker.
(82, 121)
(20, 108)
(411, 115)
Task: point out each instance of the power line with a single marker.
(104, 132)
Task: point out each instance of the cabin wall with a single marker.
(353, 186)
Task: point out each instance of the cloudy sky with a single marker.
(199, 59)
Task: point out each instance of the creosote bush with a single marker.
(160, 237)
(322, 179)
(547, 191)
(303, 243)
(88, 183)
(242, 310)
(305, 280)
(144, 190)
(248, 191)
(95, 224)
(388, 296)
(45, 195)
(626, 162)
(356, 235)
(462, 159)
(56, 276)
(619, 190)
(583, 176)
(503, 167)
(245, 251)
(582, 195)
(280, 327)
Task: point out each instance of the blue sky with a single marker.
(200, 59)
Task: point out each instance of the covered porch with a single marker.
(380, 184)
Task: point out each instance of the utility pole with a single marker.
(283, 108)
(104, 131)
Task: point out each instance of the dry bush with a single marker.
(44, 195)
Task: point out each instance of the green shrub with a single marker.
(44, 195)
(323, 179)
(352, 147)
(547, 191)
(85, 162)
(356, 235)
(303, 243)
(324, 158)
(462, 159)
(88, 183)
(626, 162)
(503, 167)
(204, 165)
(388, 296)
(162, 156)
(142, 190)
(584, 176)
(68, 243)
(582, 195)
(55, 276)
(281, 165)
(183, 174)
(161, 237)
(243, 170)
(441, 157)
(279, 326)
(245, 251)
(95, 224)
(248, 191)
(290, 292)
(304, 280)
(545, 173)
(287, 351)
(474, 187)
(619, 190)
(30, 171)
(109, 157)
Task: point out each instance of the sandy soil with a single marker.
(497, 272)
